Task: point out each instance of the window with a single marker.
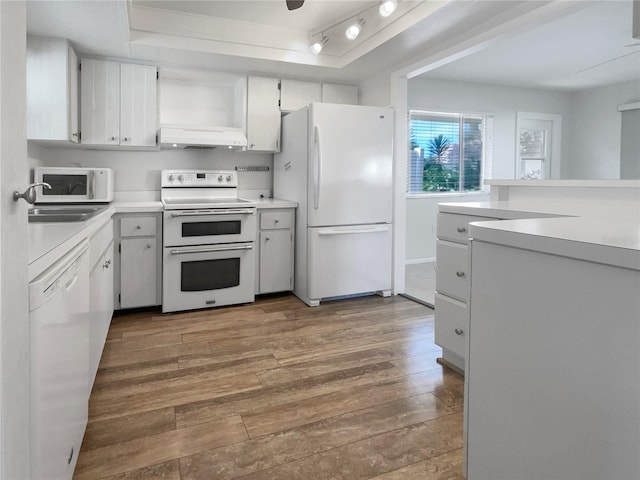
(448, 152)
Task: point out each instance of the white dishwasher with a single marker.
(59, 321)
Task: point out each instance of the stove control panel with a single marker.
(199, 178)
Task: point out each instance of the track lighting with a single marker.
(387, 7)
(353, 30)
(316, 47)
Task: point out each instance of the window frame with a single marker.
(486, 152)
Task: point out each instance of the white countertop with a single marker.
(49, 241)
(584, 230)
(566, 183)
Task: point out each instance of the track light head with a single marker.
(316, 47)
(387, 7)
(353, 30)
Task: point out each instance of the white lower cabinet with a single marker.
(100, 295)
(139, 265)
(275, 251)
(452, 285)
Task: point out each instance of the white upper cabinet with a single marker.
(335, 93)
(295, 94)
(52, 90)
(263, 114)
(118, 104)
(138, 105)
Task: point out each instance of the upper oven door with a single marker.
(210, 226)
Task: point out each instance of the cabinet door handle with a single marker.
(138, 227)
(277, 221)
(125, 139)
(459, 274)
(266, 239)
(148, 245)
(458, 331)
(113, 139)
(461, 229)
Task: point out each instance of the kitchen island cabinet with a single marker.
(552, 388)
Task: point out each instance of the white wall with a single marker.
(595, 133)
(140, 171)
(376, 91)
(501, 102)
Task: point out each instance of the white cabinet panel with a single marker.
(138, 226)
(295, 94)
(118, 104)
(101, 302)
(138, 272)
(276, 260)
(138, 105)
(138, 266)
(52, 90)
(455, 227)
(452, 269)
(452, 327)
(99, 106)
(274, 266)
(263, 114)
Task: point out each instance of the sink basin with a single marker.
(62, 214)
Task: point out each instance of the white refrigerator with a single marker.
(336, 162)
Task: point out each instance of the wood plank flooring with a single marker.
(275, 390)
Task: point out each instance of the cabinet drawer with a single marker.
(455, 228)
(452, 269)
(452, 324)
(137, 226)
(277, 219)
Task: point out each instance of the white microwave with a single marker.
(74, 185)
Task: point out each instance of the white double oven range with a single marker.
(208, 240)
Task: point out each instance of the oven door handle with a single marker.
(243, 211)
(212, 249)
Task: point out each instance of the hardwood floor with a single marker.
(275, 390)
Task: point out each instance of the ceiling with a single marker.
(263, 37)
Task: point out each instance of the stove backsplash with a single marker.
(140, 171)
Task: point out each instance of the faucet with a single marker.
(30, 193)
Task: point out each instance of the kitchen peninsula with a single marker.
(552, 343)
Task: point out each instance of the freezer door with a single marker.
(350, 169)
(349, 260)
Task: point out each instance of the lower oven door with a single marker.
(207, 276)
(199, 227)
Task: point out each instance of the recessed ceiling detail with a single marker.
(279, 35)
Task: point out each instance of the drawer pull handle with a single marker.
(277, 221)
(459, 274)
(138, 227)
(461, 229)
(459, 331)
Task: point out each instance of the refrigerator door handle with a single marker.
(351, 231)
(318, 170)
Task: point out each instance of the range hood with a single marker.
(194, 137)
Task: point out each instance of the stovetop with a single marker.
(200, 189)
